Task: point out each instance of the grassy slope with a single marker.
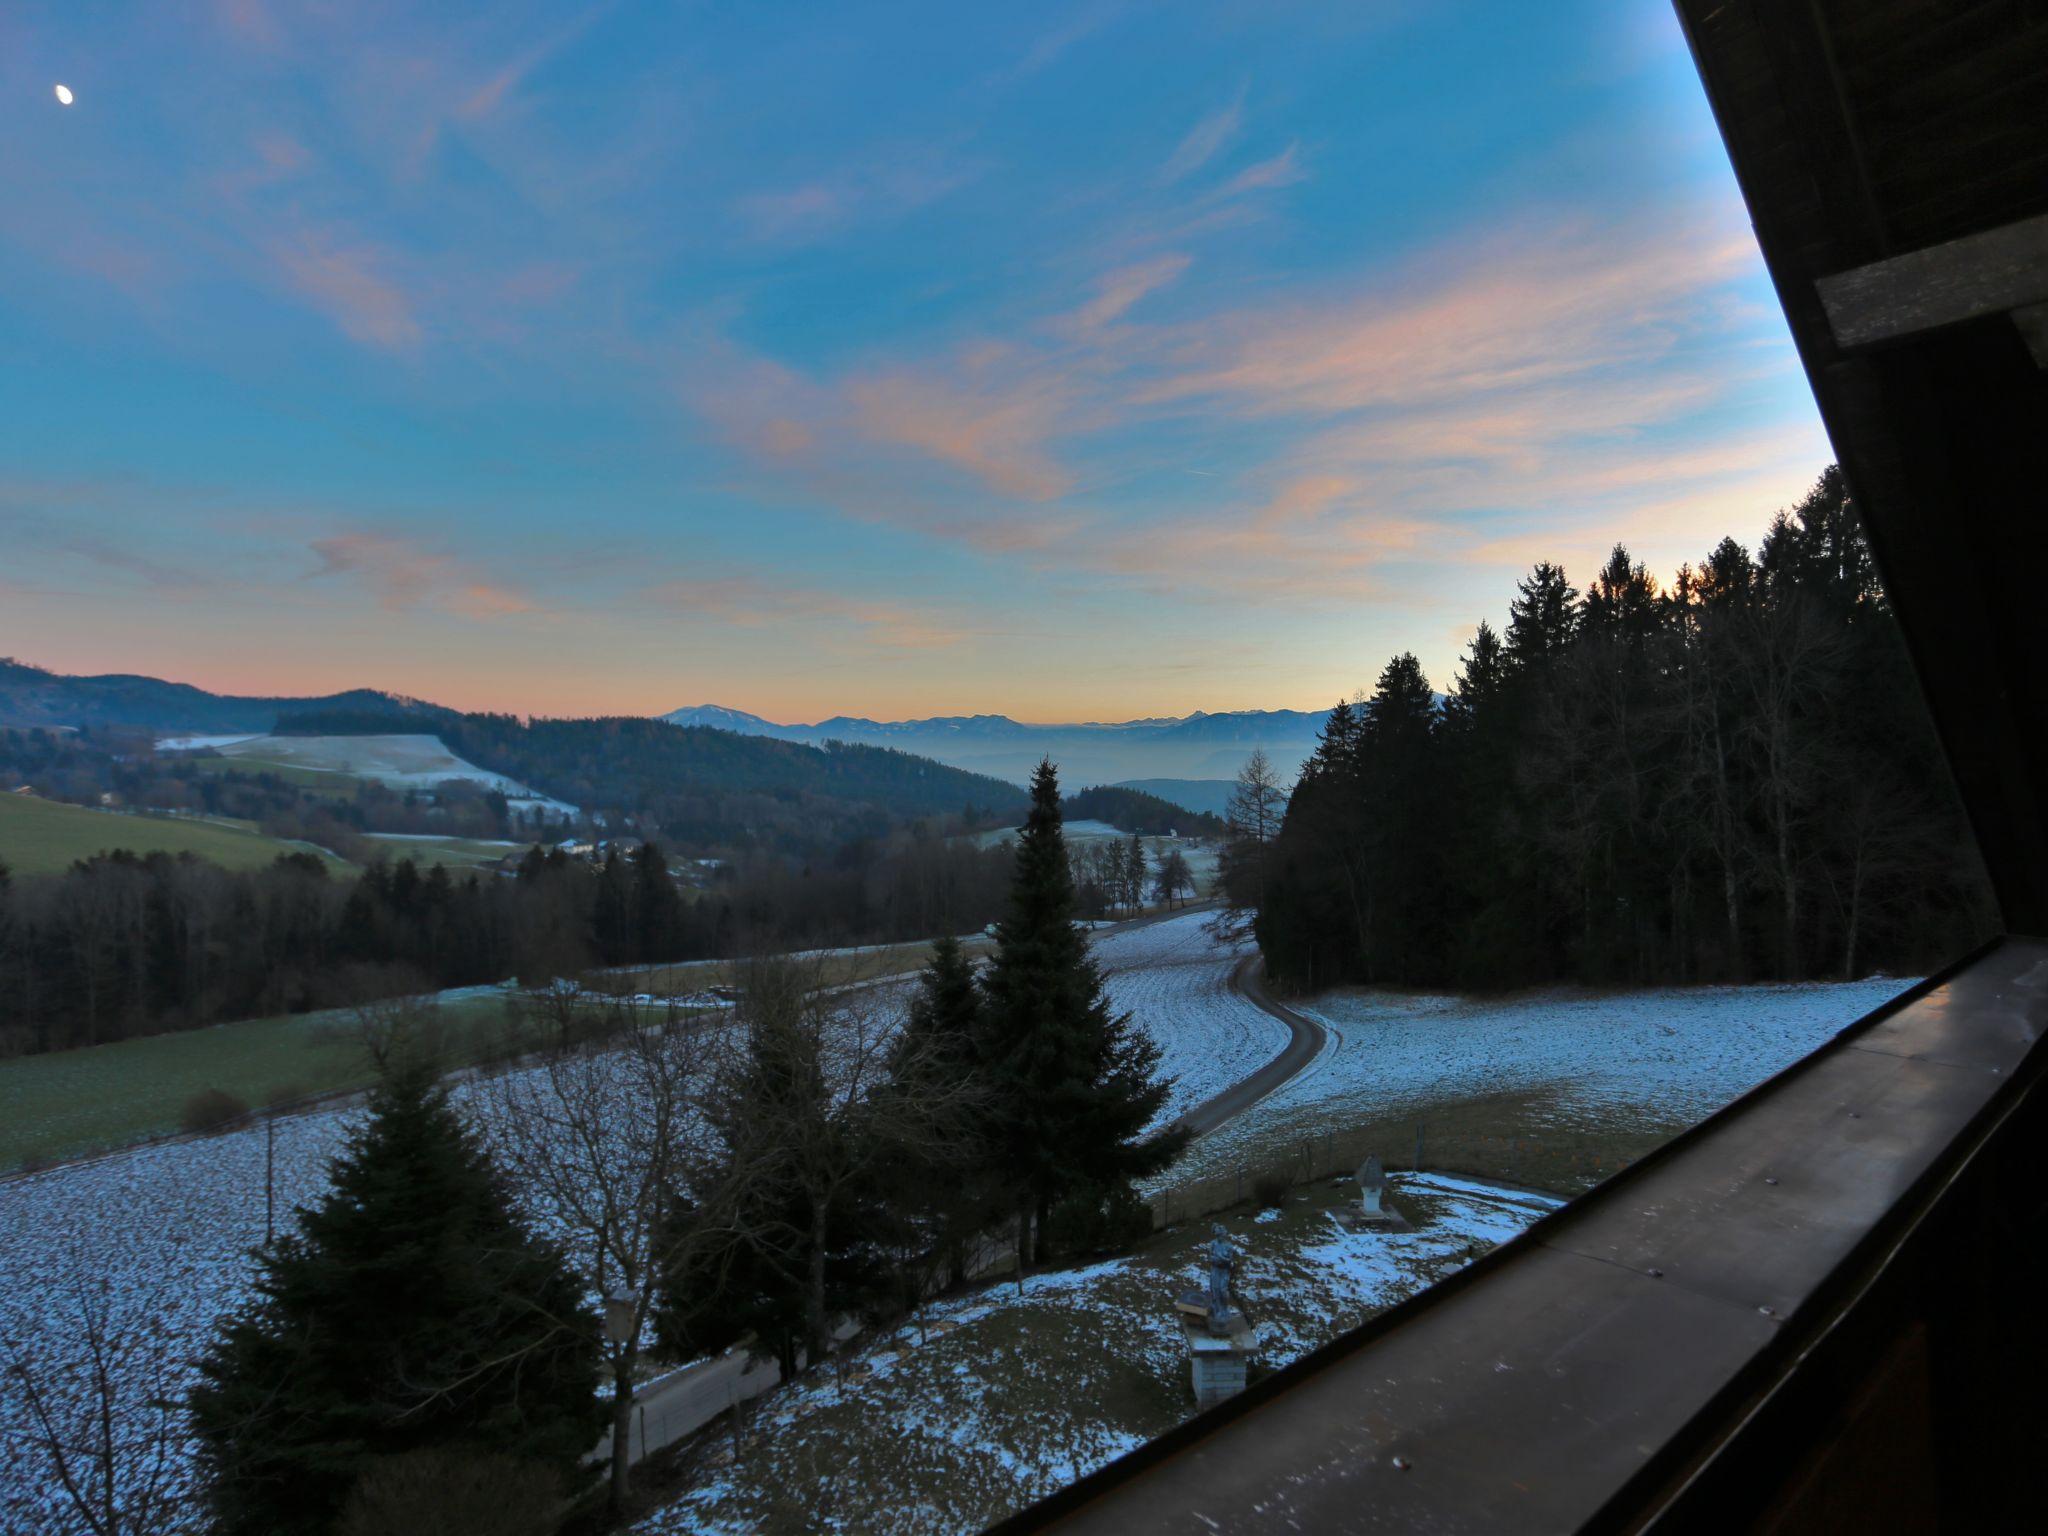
(318, 781)
(45, 836)
(995, 1398)
(71, 1103)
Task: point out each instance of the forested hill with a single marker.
(1728, 779)
(33, 696)
(700, 788)
(1132, 810)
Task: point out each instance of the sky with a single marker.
(1081, 360)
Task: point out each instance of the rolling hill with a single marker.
(34, 696)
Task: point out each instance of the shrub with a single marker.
(211, 1108)
(1101, 1220)
(1271, 1189)
(452, 1493)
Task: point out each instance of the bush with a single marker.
(211, 1108)
(452, 1493)
(1098, 1221)
(282, 1095)
(1271, 1189)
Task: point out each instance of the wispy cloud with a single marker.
(1282, 170)
(892, 182)
(1050, 45)
(749, 601)
(1119, 290)
(351, 286)
(982, 417)
(1202, 141)
(402, 574)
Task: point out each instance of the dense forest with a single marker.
(1728, 780)
(1133, 810)
(123, 945)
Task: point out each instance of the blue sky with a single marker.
(1078, 360)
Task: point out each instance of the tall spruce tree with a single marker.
(1074, 1086)
(412, 1310)
(946, 1189)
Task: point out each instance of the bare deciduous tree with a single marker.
(601, 1132)
(97, 1407)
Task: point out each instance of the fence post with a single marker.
(1418, 1146)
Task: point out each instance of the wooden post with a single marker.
(269, 1178)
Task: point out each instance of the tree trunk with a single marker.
(1855, 915)
(820, 1327)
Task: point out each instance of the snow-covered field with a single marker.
(1175, 979)
(1667, 1056)
(967, 1413)
(401, 761)
(168, 1228)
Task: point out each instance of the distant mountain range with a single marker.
(1197, 751)
(1197, 747)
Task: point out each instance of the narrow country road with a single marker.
(684, 1400)
(1305, 1040)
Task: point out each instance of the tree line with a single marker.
(1134, 810)
(123, 944)
(423, 1351)
(1729, 779)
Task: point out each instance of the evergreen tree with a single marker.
(1541, 619)
(412, 1310)
(947, 1190)
(1073, 1085)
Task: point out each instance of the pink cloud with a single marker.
(1119, 290)
(346, 284)
(1521, 309)
(1201, 142)
(1283, 170)
(402, 575)
(994, 429)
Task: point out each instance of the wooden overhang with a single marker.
(1819, 1309)
(1564, 1381)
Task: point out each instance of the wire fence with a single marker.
(1558, 1162)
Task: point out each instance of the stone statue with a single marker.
(1222, 1259)
(1372, 1179)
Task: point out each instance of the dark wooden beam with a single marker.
(1992, 273)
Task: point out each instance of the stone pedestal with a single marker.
(1218, 1362)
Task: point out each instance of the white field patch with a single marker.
(1663, 1055)
(1174, 978)
(401, 761)
(199, 743)
(989, 1401)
